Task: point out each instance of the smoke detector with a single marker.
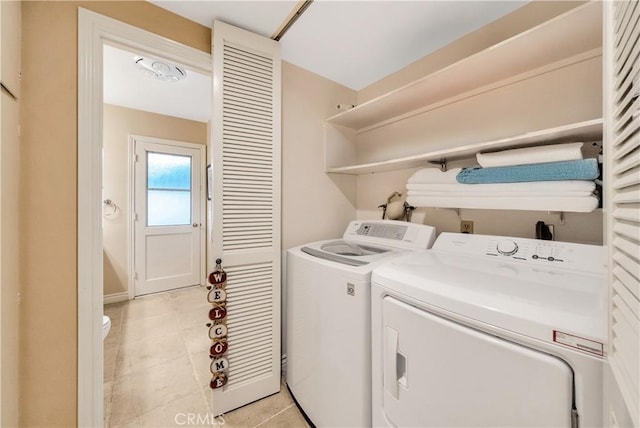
(159, 69)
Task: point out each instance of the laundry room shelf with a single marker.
(537, 47)
(541, 86)
(588, 131)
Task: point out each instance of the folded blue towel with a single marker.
(583, 169)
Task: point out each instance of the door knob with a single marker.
(195, 224)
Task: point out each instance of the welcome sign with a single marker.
(217, 296)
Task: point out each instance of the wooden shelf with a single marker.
(588, 131)
(573, 33)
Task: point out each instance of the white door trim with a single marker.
(131, 197)
(94, 30)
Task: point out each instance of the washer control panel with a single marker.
(585, 257)
(392, 233)
(386, 231)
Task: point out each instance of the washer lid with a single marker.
(351, 249)
(346, 253)
(536, 300)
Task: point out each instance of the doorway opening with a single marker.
(95, 33)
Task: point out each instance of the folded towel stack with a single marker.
(548, 178)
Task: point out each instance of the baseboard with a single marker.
(115, 298)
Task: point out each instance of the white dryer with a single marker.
(489, 331)
(329, 317)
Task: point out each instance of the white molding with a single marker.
(131, 174)
(94, 30)
(115, 298)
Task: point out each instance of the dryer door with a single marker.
(440, 373)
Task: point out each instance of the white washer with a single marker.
(329, 317)
(489, 331)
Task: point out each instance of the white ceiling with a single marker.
(355, 43)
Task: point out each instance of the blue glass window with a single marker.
(168, 189)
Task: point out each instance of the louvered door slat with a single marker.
(622, 197)
(237, 53)
(243, 114)
(246, 213)
(623, 68)
(625, 139)
(628, 163)
(235, 98)
(626, 96)
(627, 179)
(248, 83)
(630, 112)
(627, 195)
(622, 39)
(626, 339)
(627, 229)
(251, 328)
(622, 8)
(242, 73)
(239, 68)
(245, 140)
(629, 282)
(627, 246)
(623, 294)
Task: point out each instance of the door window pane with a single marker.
(168, 189)
(165, 171)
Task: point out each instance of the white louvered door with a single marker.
(246, 209)
(622, 191)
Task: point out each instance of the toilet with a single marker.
(106, 326)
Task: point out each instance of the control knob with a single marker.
(507, 248)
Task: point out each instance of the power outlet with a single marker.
(466, 226)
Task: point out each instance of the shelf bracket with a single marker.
(561, 216)
(442, 164)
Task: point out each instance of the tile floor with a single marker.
(156, 368)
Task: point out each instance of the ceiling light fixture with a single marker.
(159, 69)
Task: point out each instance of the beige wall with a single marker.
(315, 205)
(119, 123)
(9, 215)
(48, 208)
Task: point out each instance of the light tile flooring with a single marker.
(156, 368)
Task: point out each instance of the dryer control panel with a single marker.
(588, 258)
(391, 233)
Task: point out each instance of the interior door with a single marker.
(245, 152)
(438, 373)
(168, 230)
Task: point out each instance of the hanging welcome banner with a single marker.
(217, 296)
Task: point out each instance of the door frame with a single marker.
(95, 30)
(131, 219)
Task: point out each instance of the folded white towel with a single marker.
(531, 155)
(434, 175)
(501, 194)
(531, 186)
(541, 203)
